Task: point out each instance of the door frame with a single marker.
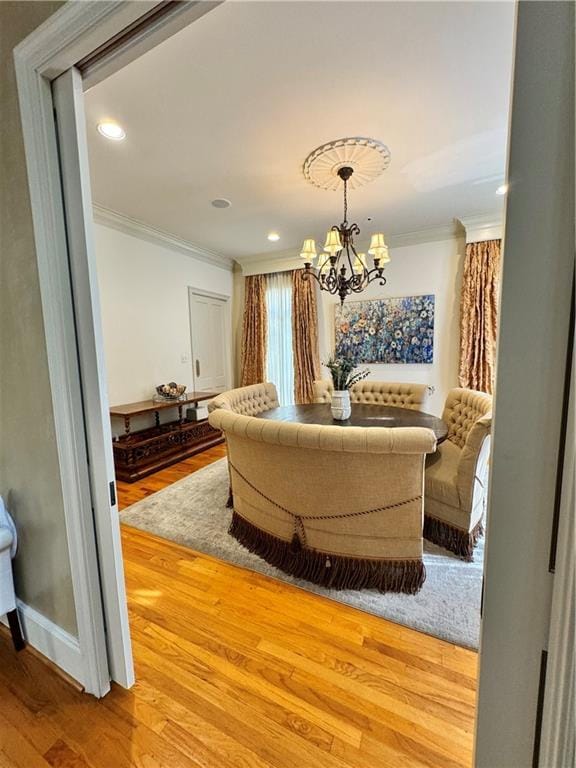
(530, 430)
(77, 194)
(228, 347)
(74, 32)
(71, 34)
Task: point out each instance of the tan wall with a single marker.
(29, 474)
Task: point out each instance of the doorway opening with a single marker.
(149, 595)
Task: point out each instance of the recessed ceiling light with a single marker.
(111, 130)
(502, 189)
(273, 237)
(221, 202)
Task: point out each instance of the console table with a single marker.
(144, 451)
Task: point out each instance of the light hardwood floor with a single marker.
(235, 669)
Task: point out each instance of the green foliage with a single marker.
(342, 372)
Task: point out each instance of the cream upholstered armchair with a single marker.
(248, 401)
(338, 507)
(377, 393)
(457, 475)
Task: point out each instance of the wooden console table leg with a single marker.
(15, 630)
(127, 425)
(157, 418)
(180, 416)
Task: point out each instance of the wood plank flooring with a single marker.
(236, 670)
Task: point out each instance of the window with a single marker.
(279, 361)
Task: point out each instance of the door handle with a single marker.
(197, 367)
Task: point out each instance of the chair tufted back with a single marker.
(323, 391)
(247, 401)
(377, 393)
(390, 393)
(320, 437)
(464, 407)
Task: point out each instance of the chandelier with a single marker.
(340, 269)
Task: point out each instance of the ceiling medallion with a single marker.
(368, 158)
(340, 269)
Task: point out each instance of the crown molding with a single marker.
(262, 263)
(483, 226)
(282, 261)
(138, 229)
(428, 235)
(287, 253)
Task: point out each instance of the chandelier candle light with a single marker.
(340, 269)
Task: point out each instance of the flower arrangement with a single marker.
(342, 372)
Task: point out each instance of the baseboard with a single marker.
(62, 648)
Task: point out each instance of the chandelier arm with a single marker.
(336, 284)
(327, 284)
(331, 281)
(350, 245)
(376, 274)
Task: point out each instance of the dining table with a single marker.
(362, 415)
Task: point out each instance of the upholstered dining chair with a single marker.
(401, 395)
(338, 507)
(247, 401)
(456, 478)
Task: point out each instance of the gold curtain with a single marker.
(253, 356)
(304, 337)
(479, 315)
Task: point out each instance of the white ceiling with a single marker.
(231, 106)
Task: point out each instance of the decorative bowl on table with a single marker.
(170, 391)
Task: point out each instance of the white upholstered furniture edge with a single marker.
(7, 593)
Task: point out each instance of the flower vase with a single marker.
(341, 408)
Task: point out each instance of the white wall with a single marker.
(426, 268)
(145, 318)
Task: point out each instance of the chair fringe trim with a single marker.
(460, 542)
(327, 570)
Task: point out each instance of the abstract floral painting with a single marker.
(396, 330)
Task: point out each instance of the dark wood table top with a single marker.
(361, 416)
(147, 406)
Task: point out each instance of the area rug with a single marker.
(193, 512)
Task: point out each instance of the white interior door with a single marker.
(210, 342)
(69, 103)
